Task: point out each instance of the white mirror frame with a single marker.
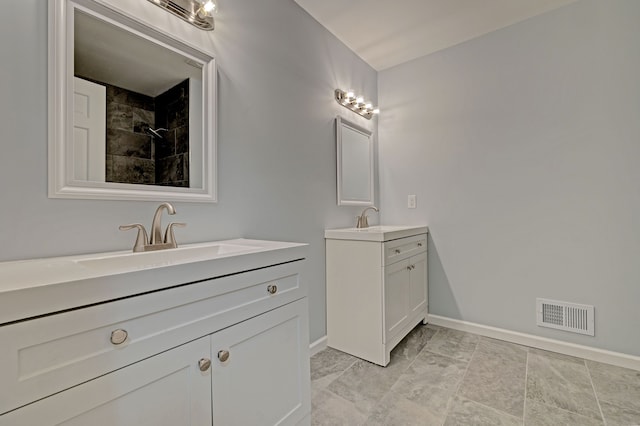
(60, 106)
(341, 124)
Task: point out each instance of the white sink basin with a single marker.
(154, 259)
(375, 233)
(34, 287)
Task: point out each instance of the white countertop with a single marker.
(39, 286)
(375, 233)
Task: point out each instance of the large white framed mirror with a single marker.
(354, 146)
(132, 111)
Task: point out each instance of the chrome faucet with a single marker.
(156, 242)
(363, 221)
(156, 232)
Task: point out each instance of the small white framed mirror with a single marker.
(354, 146)
(132, 110)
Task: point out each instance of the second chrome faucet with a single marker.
(362, 220)
(156, 242)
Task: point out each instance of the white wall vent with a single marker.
(565, 316)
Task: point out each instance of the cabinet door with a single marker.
(167, 389)
(418, 300)
(261, 369)
(396, 297)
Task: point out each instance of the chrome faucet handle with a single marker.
(141, 240)
(169, 236)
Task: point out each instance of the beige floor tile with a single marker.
(501, 348)
(364, 383)
(430, 381)
(618, 390)
(328, 409)
(619, 416)
(561, 382)
(497, 380)
(328, 364)
(395, 410)
(537, 414)
(453, 343)
(441, 376)
(466, 412)
(412, 345)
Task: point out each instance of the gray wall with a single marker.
(523, 147)
(277, 70)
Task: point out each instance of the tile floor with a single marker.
(439, 376)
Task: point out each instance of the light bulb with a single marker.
(209, 6)
(368, 106)
(350, 95)
(376, 111)
(360, 99)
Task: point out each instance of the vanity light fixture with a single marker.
(356, 104)
(198, 13)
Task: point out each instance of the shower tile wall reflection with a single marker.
(172, 153)
(132, 154)
(130, 150)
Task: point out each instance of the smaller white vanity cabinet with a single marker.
(376, 288)
(227, 349)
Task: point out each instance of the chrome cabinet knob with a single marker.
(272, 289)
(223, 355)
(204, 364)
(119, 336)
(419, 244)
(397, 251)
(409, 268)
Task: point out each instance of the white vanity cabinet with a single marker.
(226, 350)
(166, 389)
(264, 379)
(376, 288)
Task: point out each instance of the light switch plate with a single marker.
(411, 202)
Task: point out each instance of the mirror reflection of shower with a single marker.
(147, 138)
(154, 132)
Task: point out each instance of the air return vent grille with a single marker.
(565, 316)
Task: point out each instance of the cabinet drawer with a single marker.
(46, 355)
(403, 248)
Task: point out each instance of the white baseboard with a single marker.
(317, 346)
(580, 351)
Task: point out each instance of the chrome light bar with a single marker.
(192, 11)
(356, 104)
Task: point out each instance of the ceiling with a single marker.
(387, 33)
(107, 53)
